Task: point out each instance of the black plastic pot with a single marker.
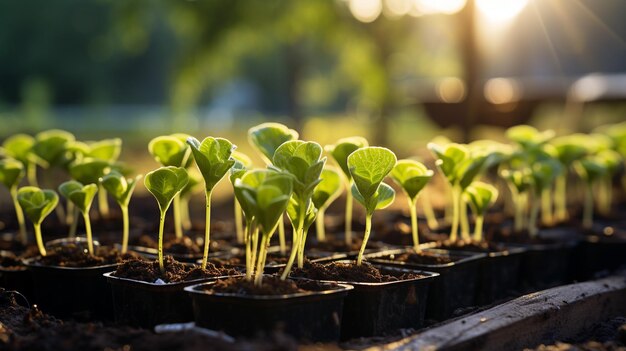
(311, 316)
(17, 279)
(455, 287)
(546, 265)
(72, 292)
(143, 304)
(599, 254)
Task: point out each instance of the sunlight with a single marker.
(446, 7)
(500, 10)
(366, 10)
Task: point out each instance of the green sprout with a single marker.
(266, 138)
(264, 196)
(81, 196)
(480, 196)
(37, 204)
(368, 167)
(301, 159)
(213, 159)
(11, 173)
(569, 148)
(340, 152)
(242, 164)
(519, 182)
(164, 184)
(87, 171)
(612, 162)
(172, 150)
(121, 189)
(19, 147)
(192, 187)
(529, 137)
(327, 191)
(412, 176)
(543, 174)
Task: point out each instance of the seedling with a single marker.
(340, 152)
(37, 204)
(192, 187)
(264, 196)
(368, 167)
(172, 150)
(569, 149)
(480, 196)
(51, 147)
(164, 184)
(11, 173)
(543, 173)
(519, 182)
(327, 191)
(242, 164)
(266, 138)
(19, 147)
(412, 176)
(213, 158)
(612, 161)
(88, 171)
(81, 196)
(529, 137)
(301, 159)
(121, 189)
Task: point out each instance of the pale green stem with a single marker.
(125, 228)
(71, 213)
(604, 195)
(255, 247)
(297, 237)
(20, 215)
(40, 245)
(560, 198)
(301, 248)
(319, 225)
(348, 219)
(184, 213)
(521, 202)
(478, 228)
(31, 173)
(249, 262)
(281, 236)
(533, 230)
(160, 249)
(258, 277)
(238, 223)
(429, 212)
(74, 225)
(455, 213)
(368, 229)
(207, 229)
(88, 231)
(450, 208)
(414, 228)
(178, 224)
(546, 206)
(588, 207)
(103, 204)
(465, 227)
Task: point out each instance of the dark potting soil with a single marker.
(271, 285)
(184, 246)
(606, 336)
(24, 329)
(272, 259)
(149, 271)
(72, 255)
(349, 272)
(424, 257)
(472, 246)
(9, 261)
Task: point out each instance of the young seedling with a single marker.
(11, 173)
(121, 189)
(81, 196)
(340, 152)
(164, 184)
(569, 149)
(242, 164)
(528, 137)
(543, 173)
(266, 138)
(612, 161)
(192, 187)
(368, 167)
(264, 196)
(327, 191)
(213, 158)
(519, 182)
(37, 204)
(480, 196)
(107, 150)
(301, 159)
(87, 171)
(19, 147)
(172, 150)
(412, 176)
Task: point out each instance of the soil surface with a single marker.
(24, 329)
(472, 246)
(149, 271)
(175, 246)
(424, 257)
(349, 272)
(273, 259)
(72, 255)
(271, 285)
(607, 336)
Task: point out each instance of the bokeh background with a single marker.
(399, 72)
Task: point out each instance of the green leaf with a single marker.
(293, 213)
(612, 161)
(165, 183)
(169, 150)
(213, 158)
(343, 148)
(449, 157)
(544, 173)
(89, 170)
(19, 147)
(469, 169)
(570, 148)
(528, 137)
(37, 203)
(108, 149)
(80, 195)
(241, 165)
(120, 188)
(521, 179)
(329, 189)
(302, 160)
(11, 172)
(267, 137)
(368, 167)
(51, 146)
(384, 196)
(480, 196)
(192, 185)
(412, 176)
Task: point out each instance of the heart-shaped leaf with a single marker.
(412, 176)
(37, 203)
(529, 137)
(89, 170)
(213, 158)
(165, 183)
(544, 173)
(570, 148)
(241, 165)
(368, 167)
(302, 160)
(80, 195)
(19, 147)
(169, 150)
(343, 148)
(293, 213)
(108, 149)
(384, 196)
(51, 146)
(449, 157)
(267, 137)
(11, 172)
(329, 188)
(481, 196)
(119, 187)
